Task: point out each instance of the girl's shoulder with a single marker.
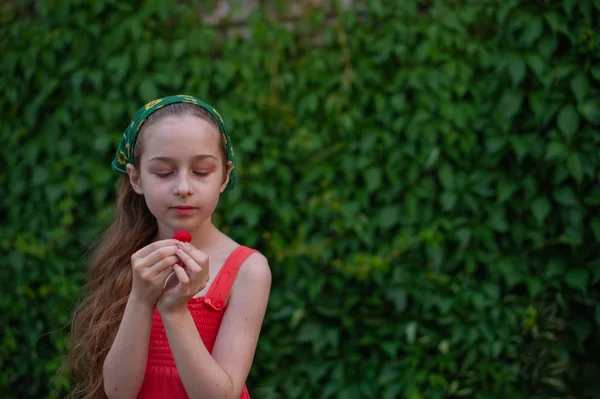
(248, 272)
(254, 266)
(254, 270)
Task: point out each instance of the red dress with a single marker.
(162, 379)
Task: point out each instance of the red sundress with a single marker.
(161, 379)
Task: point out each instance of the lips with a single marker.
(184, 209)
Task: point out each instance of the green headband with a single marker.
(124, 153)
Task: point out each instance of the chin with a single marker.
(191, 223)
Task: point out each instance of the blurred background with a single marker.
(422, 175)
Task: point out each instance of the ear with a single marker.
(134, 178)
(229, 168)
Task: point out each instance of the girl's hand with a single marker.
(192, 279)
(151, 266)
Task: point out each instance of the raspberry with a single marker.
(182, 235)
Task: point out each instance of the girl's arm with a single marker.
(223, 374)
(125, 363)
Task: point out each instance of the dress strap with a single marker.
(218, 292)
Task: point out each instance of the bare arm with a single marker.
(125, 363)
(223, 374)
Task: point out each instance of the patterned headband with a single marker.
(124, 153)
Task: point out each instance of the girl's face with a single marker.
(180, 172)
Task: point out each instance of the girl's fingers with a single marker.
(148, 249)
(200, 257)
(165, 264)
(188, 261)
(159, 255)
(164, 274)
(181, 274)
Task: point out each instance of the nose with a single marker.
(183, 187)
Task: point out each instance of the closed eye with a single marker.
(163, 175)
(201, 174)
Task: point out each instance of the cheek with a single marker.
(212, 190)
(154, 190)
(153, 201)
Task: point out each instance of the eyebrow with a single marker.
(194, 158)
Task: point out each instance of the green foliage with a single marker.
(422, 175)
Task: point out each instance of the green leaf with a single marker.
(297, 317)
(498, 220)
(463, 235)
(444, 347)
(143, 55)
(432, 158)
(118, 66)
(511, 273)
(556, 151)
(505, 190)
(40, 176)
(446, 176)
(538, 104)
(411, 332)
(538, 65)
(547, 46)
(389, 216)
(509, 105)
(373, 179)
(448, 200)
(495, 144)
(568, 121)
(594, 197)
(521, 146)
(569, 6)
(575, 167)
(148, 91)
(517, 69)
(479, 302)
(534, 285)
(577, 279)
(399, 298)
(579, 86)
(555, 383)
(595, 70)
(179, 48)
(590, 111)
(390, 348)
(595, 225)
(555, 267)
(557, 23)
(540, 208)
(309, 332)
(572, 236)
(565, 196)
(533, 30)
(585, 7)
(398, 102)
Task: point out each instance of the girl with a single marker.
(133, 335)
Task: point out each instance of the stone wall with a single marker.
(232, 15)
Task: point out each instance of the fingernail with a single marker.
(180, 251)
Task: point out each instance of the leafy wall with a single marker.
(422, 175)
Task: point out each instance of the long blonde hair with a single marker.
(97, 317)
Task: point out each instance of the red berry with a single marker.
(182, 235)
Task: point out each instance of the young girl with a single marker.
(133, 335)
